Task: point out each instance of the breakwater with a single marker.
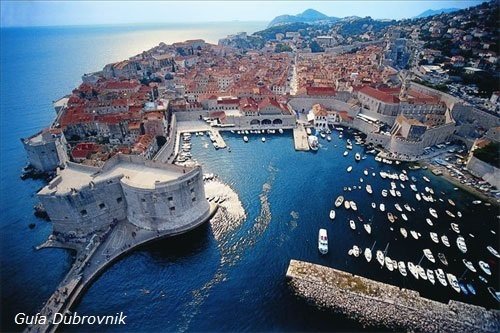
(378, 304)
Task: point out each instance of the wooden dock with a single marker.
(300, 138)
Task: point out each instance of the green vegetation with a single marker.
(489, 154)
(282, 48)
(315, 47)
(270, 33)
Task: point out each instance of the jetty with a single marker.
(300, 138)
(381, 305)
(94, 256)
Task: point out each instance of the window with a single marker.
(102, 206)
(119, 200)
(172, 209)
(170, 198)
(193, 199)
(83, 212)
(192, 190)
(143, 200)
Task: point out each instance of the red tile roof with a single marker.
(379, 95)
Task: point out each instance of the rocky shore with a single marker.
(378, 304)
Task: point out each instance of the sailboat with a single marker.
(402, 268)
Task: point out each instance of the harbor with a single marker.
(382, 305)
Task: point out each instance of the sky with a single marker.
(62, 13)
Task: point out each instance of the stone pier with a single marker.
(300, 138)
(380, 305)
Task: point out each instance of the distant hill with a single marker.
(431, 12)
(308, 16)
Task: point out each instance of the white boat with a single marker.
(421, 272)
(451, 202)
(403, 232)
(365, 172)
(402, 268)
(414, 234)
(323, 135)
(452, 279)
(432, 211)
(418, 196)
(404, 217)
(429, 221)
(332, 214)
(389, 264)
(353, 205)
(347, 205)
(329, 138)
(352, 224)
(450, 213)
(442, 257)
(384, 192)
(413, 269)
(263, 139)
(493, 251)
(445, 240)
(346, 153)
(245, 138)
(455, 227)
(280, 131)
(426, 179)
(312, 140)
(469, 265)
(357, 157)
(374, 205)
(339, 201)
(390, 217)
(428, 254)
(459, 214)
(407, 207)
(398, 193)
(369, 189)
(368, 254)
(441, 277)
(392, 192)
(434, 237)
(413, 187)
(461, 244)
(356, 251)
(308, 131)
(398, 207)
(495, 294)
(349, 168)
(380, 257)
(485, 267)
(323, 241)
(368, 228)
(476, 202)
(430, 276)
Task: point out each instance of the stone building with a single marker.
(46, 150)
(151, 195)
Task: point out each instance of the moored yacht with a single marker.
(455, 227)
(445, 240)
(382, 207)
(430, 276)
(442, 257)
(352, 224)
(339, 201)
(368, 254)
(469, 265)
(388, 263)
(357, 157)
(353, 205)
(347, 205)
(402, 268)
(369, 189)
(414, 234)
(493, 251)
(332, 214)
(368, 228)
(390, 217)
(461, 244)
(413, 270)
(349, 168)
(403, 232)
(485, 267)
(452, 279)
(245, 138)
(441, 277)
(428, 254)
(421, 272)
(380, 257)
(433, 212)
(323, 241)
(434, 237)
(429, 221)
(312, 140)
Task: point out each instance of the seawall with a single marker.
(377, 304)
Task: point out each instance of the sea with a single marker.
(199, 282)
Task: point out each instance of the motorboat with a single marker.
(493, 251)
(339, 201)
(323, 241)
(445, 241)
(433, 212)
(398, 207)
(382, 207)
(429, 221)
(332, 214)
(434, 237)
(461, 244)
(494, 293)
(471, 288)
(442, 258)
(312, 140)
(392, 192)
(390, 217)
(428, 254)
(323, 135)
(245, 138)
(404, 217)
(398, 194)
(450, 213)
(349, 168)
(365, 172)
(413, 269)
(368, 254)
(280, 131)
(308, 131)
(369, 189)
(403, 232)
(485, 267)
(441, 277)
(388, 263)
(451, 202)
(452, 279)
(402, 268)
(455, 227)
(459, 214)
(374, 205)
(477, 202)
(430, 276)
(346, 153)
(356, 251)
(380, 257)
(384, 193)
(347, 205)
(426, 179)
(353, 205)
(418, 196)
(414, 234)
(368, 228)
(407, 207)
(421, 272)
(413, 187)
(469, 265)
(352, 224)
(483, 279)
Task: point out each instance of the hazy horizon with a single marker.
(89, 13)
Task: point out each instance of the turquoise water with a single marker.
(196, 282)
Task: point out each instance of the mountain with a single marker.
(431, 12)
(308, 16)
